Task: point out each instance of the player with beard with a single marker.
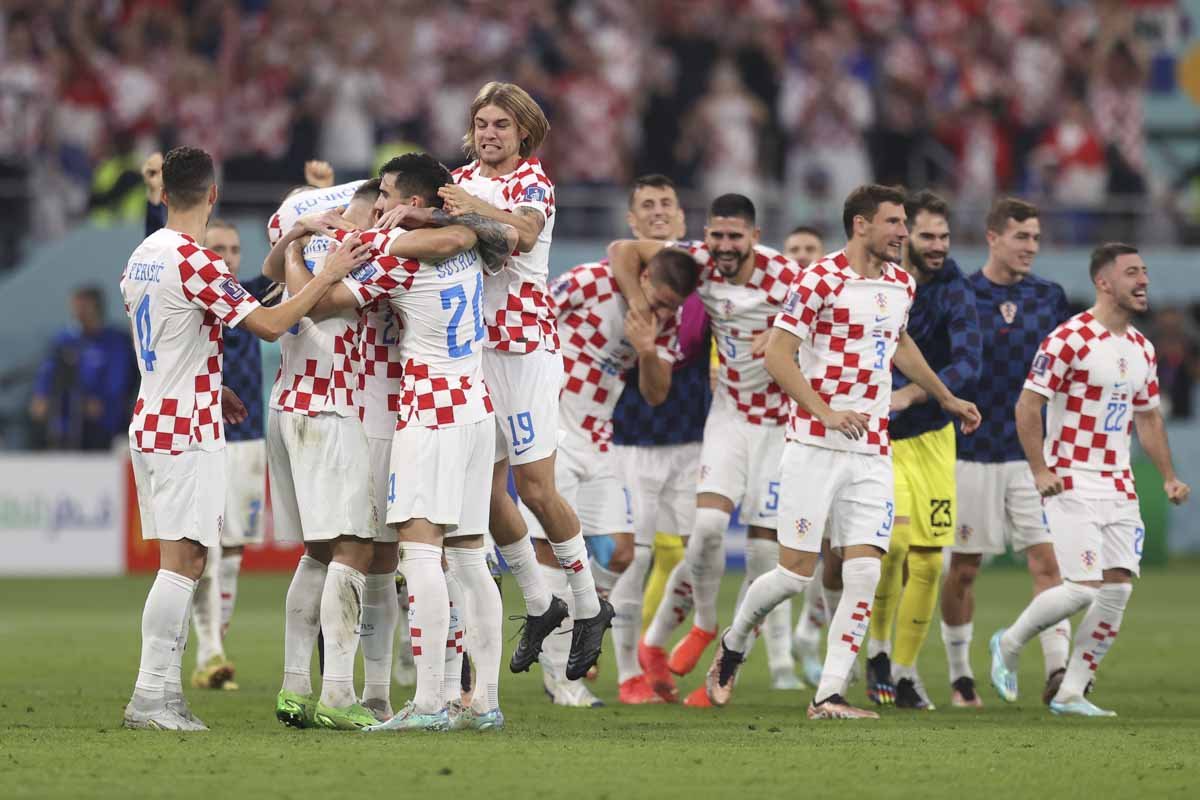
(1096, 377)
(944, 325)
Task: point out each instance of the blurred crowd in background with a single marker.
(792, 102)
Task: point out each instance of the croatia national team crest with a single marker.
(965, 532)
(803, 526)
(1089, 558)
(726, 308)
(1123, 367)
(1008, 310)
(881, 302)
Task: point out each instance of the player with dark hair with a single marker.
(804, 245)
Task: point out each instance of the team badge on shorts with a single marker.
(802, 527)
(220, 523)
(704, 470)
(965, 532)
(1008, 310)
(1089, 558)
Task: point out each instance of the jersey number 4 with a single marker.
(456, 297)
(141, 322)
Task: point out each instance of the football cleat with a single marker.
(964, 695)
(351, 718)
(587, 635)
(465, 718)
(698, 699)
(880, 689)
(155, 717)
(408, 719)
(213, 674)
(718, 683)
(690, 650)
(836, 707)
(653, 661)
(784, 679)
(573, 694)
(534, 632)
(637, 691)
(178, 704)
(908, 695)
(294, 710)
(380, 708)
(1003, 677)
(1079, 707)
(230, 686)
(1054, 680)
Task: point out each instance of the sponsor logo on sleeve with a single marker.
(1041, 363)
(363, 273)
(534, 194)
(233, 290)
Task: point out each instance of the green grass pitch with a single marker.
(69, 651)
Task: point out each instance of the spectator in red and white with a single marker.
(725, 131)
(1117, 97)
(591, 112)
(1071, 156)
(349, 88)
(26, 96)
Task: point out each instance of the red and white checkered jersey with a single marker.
(441, 304)
(738, 314)
(381, 368)
(307, 202)
(590, 312)
(178, 295)
(1095, 380)
(850, 327)
(518, 314)
(318, 361)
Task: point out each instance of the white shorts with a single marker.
(245, 492)
(998, 504)
(380, 455)
(320, 477)
(181, 496)
(851, 493)
(740, 461)
(1093, 534)
(589, 480)
(661, 480)
(443, 475)
(524, 390)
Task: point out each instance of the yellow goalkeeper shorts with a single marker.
(925, 486)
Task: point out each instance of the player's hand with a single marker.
(966, 413)
(318, 174)
(353, 253)
(641, 332)
(1048, 484)
(152, 177)
(1177, 491)
(758, 345)
(407, 217)
(233, 410)
(852, 424)
(322, 222)
(457, 200)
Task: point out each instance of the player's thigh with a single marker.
(432, 468)
(476, 479)
(1076, 525)
(285, 509)
(864, 509)
(924, 470)
(602, 502)
(726, 454)
(677, 501)
(382, 487)
(181, 496)
(524, 391)
(643, 472)
(246, 481)
(331, 472)
(1025, 516)
(981, 508)
(760, 506)
(805, 503)
(1124, 537)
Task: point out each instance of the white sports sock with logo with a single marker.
(627, 603)
(206, 609)
(762, 556)
(674, 607)
(705, 555)
(813, 618)
(164, 630)
(1094, 638)
(485, 621)
(230, 570)
(1056, 646)
(1044, 611)
(302, 623)
(341, 625)
(763, 596)
(452, 676)
(957, 639)
(573, 558)
(848, 625)
(380, 613)
(428, 621)
(523, 564)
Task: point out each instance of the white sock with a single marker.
(957, 639)
(764, 594)
(1095, 638)
(341, 625)
(428, 621)
(302, 623)
(485, 615)
(573, 558)
(403, 640)
(557, 646)
(674, 607)
(1056, 646)
(627, 602)
(164, 626)
(762, 555)
(452, 673)
(812, 614)
(206, 609)
(877, 646)
(832, 598)
(380, 613)
(173, 686)
(230, 570)
(849, 624)
(1044, 611)
(605, 579)
(523, 564)
(705, 555)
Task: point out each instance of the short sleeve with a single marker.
(208, 284)
(565, 292)
(380, 241)
(532, 190)
(1146, 397)
(380, 277)
(804, 301)
(1052, 364)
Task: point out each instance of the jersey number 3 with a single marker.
(141, 322)
(456, 297)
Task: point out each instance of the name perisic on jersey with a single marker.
(145, 272)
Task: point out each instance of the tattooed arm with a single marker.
(496, 239)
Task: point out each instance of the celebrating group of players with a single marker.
(426, 358)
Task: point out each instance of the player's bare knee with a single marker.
(768, 534)
(319, 551)
(800, 562)
(622, 554)
(964, 569)
(385, 558)
(354, 552)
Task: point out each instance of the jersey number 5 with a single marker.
(456, 297)
(141, 321)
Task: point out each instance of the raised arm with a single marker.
(1152, 433)
(654, 373)
(628, 257)
(910, 361)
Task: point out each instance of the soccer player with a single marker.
(1097, 378)
(178, 296)
(742, 285)
(523, 368)
(944, 325)
(804, 245)
(846, 318)
(441, 458)
(998, 504)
